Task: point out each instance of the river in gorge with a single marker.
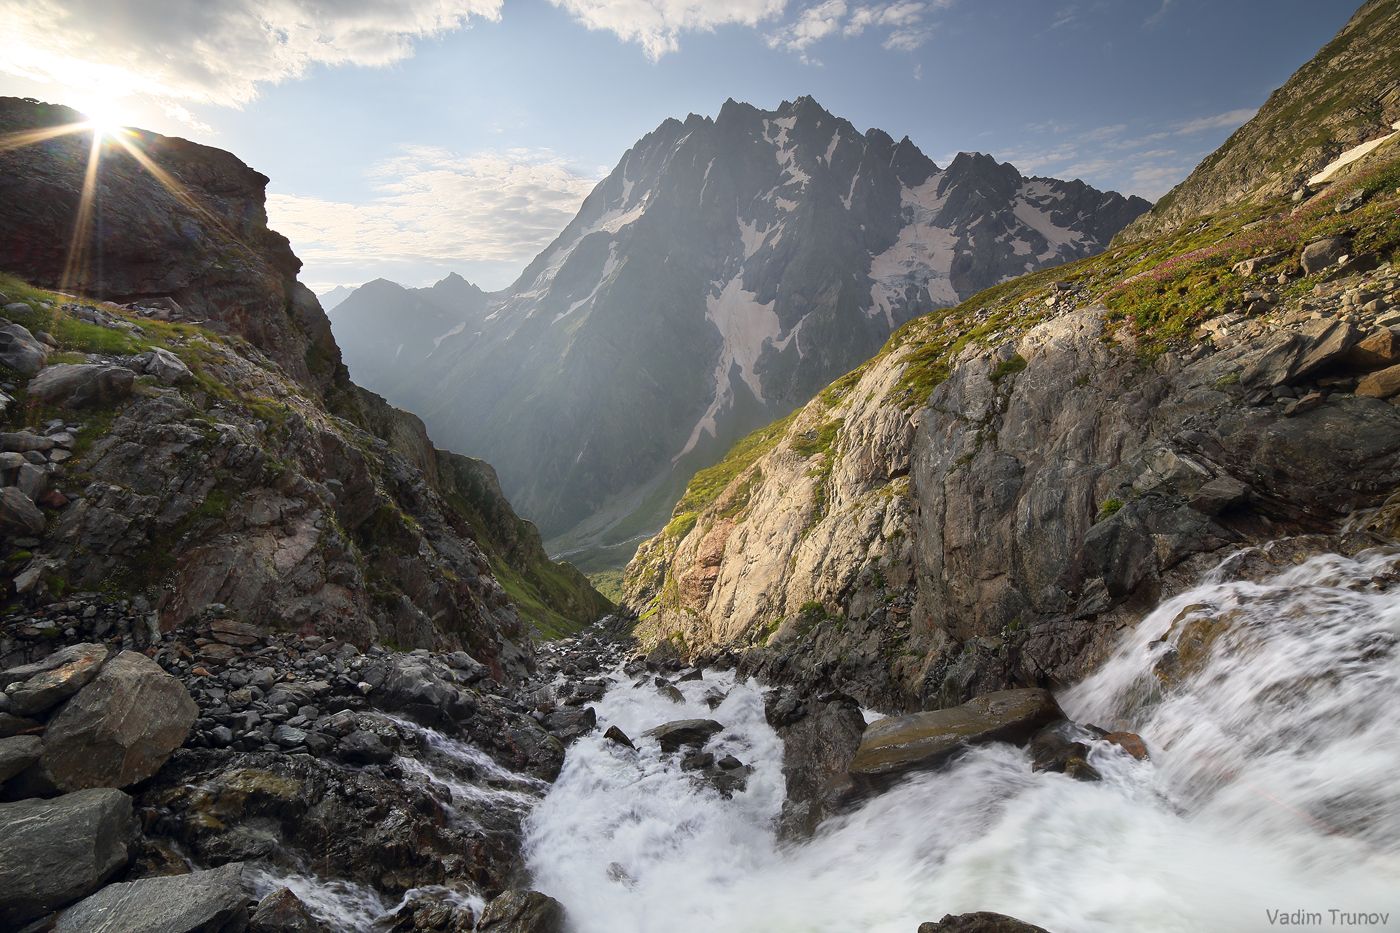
(1271, 710)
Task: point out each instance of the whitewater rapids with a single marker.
(1273, 791)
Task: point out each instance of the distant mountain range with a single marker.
(725, 271)
(331, 300)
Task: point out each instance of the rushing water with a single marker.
(1272, 711)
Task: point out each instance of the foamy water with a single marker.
(1274, 785)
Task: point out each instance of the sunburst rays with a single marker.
(77, 275)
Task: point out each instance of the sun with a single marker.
(103, 118)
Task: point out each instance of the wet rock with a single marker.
(522, 912)
(201, 902)
(980, 922)
(18, 513)
(363, 748)
(673, 736)
(120, 728)
(618, 737)
(16, 754)
(81, 385)
(414, 684)
(1320, 254)
(283, 912)
(923, 741)
(670, 692)
(1061, 747)
(569, 724)
(37, 687)
(1130, 742)
(817, 750)
(53, 852)
(20, 350)
(695, 761)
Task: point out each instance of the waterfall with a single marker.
(1272, 713)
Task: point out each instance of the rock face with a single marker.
(923, 741)
(523, 912)
(933, 528)
(120, 728)
(725, 271)
(249, 472)
(200, 902)
(53, 852)
(1344, 96)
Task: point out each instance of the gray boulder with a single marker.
(522, 912)
(16, 754)
(924, 741)
(1318, 255)
(53, 852)
(18, 512)
(20, 350)
(201, 902)
(34, 688)
(673, 736)
(82, 385)
(168, 368)
(120, 728)
(283, 912)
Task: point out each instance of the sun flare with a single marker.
(103, 118)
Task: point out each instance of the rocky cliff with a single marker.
(725, 271)
(1008, 483)
(186, 435)
(1345, 95)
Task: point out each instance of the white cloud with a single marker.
(656, 25)
(212, 51)
(905, 22)
(1221, 121)
(433, 206)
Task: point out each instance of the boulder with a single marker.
(1062, 747)
(18, 513)
(363, 748)
(283, 912)
(24, 441)
(1295, 355)
(817, 750)
(1382, 384)
(20, 350)
(980, 922)
(168, 368)
(415, 685)
(1218, 494)
(519, 911)
(923, 741)
(673, 736)
(16, 754)
(120, 728)
(571, 723)
(200, 902)
(11, 724)
(53, 852)
(618, 737)
(34, 688)
(81, 385)
(1320, 254)
(1378, 350)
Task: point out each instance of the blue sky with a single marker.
(409, 138)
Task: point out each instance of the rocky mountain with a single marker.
(186, 435)
(993, 497)
(726, 270)
(1345, 95)
(386, 330)
(331, 300)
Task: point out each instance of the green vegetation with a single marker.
(1008, 368)
(1109, 508)
(609, 583)
(706, 485)
(808, 444)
